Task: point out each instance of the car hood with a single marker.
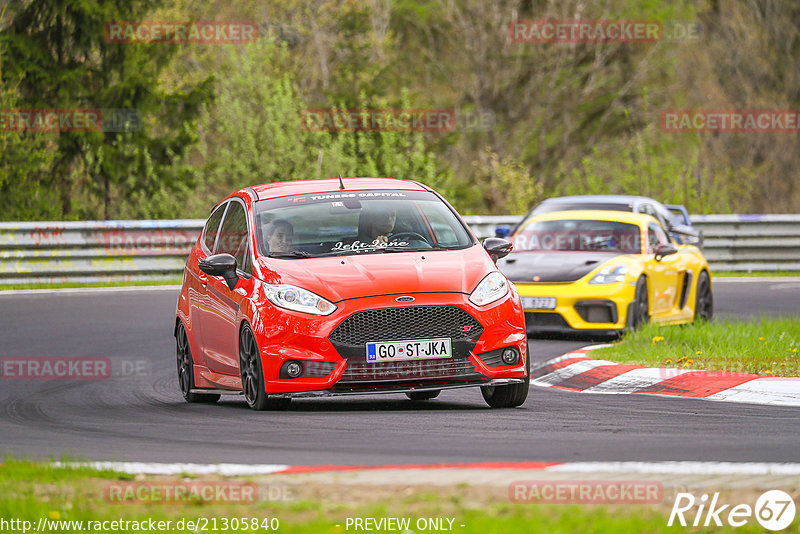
(346, 277)
(550, 267)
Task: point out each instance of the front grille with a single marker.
(406, 323)
(493, 358)
(411, 322)
(545, 319)
(597, 311)
(447, 368)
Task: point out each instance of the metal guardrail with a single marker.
(97, 251)
(751, 242)
(740, 243)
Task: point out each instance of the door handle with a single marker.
(203, 278)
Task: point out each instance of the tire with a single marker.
(639, 311)
(253, 375)
(703, 299)
(422, 395)
(186, 370)
(509, 396)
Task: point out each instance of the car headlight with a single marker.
(494, 286)
(610, 275)
(298, 299)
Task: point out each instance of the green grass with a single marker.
(766, 346)
(121, 283)
(733, 274)
(31, 491)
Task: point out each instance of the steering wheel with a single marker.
(411, 236)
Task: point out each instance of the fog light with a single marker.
(293, 369)
(510, 356)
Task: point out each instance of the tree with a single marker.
(24, 159)
(254, 132)
(59, 59)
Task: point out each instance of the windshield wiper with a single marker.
(290, 254)
(407, 249)
(348, 251)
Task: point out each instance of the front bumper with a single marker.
(340, 364)
(373, 390)
(589, 309)
(381, 390)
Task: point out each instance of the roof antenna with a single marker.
(341, 183)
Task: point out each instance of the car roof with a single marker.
(610, 199)
(331, 185)
(600, 215)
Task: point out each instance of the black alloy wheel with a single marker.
(253, 375)
(509, 396)
(186, 370)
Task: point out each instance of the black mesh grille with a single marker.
(545, 319)
(407, 370)
(412, 322)
(597, 311)
(493, 358)
(350, 339)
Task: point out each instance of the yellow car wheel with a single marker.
(704, 299)
(639, 313)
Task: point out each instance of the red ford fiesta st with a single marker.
(342, 287)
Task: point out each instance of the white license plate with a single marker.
(412, 349)
(539, 303)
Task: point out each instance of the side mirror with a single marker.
(502, 230)
(497, 247)
(665, 250)
(223, 265)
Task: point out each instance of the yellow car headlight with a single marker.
(610, 275)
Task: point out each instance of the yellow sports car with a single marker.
(605, 272)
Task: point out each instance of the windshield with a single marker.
(550, 207)
(357, 222)
(678, 217)
(578, 235)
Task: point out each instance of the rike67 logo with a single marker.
(774, 510)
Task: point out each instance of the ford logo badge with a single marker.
(404, 299)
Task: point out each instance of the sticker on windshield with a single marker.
(358, 246)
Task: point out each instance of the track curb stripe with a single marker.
(632, 381)
(595, 376)
(154, 468)
(698, 384)
(657, 467)
(297, 469)
(561, 375)
(575, 371)
(556, 365)
(150, 468)
(779, 390)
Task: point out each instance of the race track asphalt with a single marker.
(138, 414)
